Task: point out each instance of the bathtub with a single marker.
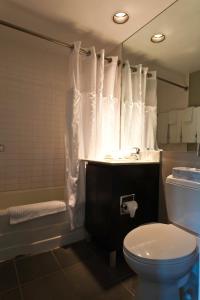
(38, 235)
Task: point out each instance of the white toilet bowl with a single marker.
(162, 255)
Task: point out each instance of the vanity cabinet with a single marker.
(105, 184)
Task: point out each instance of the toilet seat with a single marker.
(160, 262)
(159, 243)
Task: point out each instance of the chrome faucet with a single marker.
(135, 150)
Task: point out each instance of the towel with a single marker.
(188, 114)
(175, 126)
(173, 117)
(162, 128)
(189, 125)
(22, 213)
(198, 123)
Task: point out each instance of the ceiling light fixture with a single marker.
(120, 17)
(158, 38)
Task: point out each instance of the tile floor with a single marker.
(79, 271)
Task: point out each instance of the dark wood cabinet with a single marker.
(105, 184)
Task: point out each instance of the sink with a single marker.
(186, 173)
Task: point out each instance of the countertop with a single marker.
(122, 162)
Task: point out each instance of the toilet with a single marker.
(163, 255)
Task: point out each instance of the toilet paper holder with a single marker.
(123, 203)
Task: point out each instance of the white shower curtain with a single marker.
(151, 112)
(138, 128)
(126, 107)
(110, 110)
(92, 121)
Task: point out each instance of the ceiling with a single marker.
(180, 51)
(86, 20)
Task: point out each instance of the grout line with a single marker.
(59, 264)
(130, 290)
(62, 268)
(56, 260)
(18, 281)
(38, 278)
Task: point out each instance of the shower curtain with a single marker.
(139, 105)
(92, 121)
(151, 112)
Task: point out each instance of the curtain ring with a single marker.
(134, 69)
(88, 52)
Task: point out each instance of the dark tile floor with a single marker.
(79, 271)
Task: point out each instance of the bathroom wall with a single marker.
(33, 77)
(172, 159)
(171, 97)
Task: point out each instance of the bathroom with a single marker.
(55, 256)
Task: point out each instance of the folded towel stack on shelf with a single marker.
(175, 120)
(179, 126)
(189, 125)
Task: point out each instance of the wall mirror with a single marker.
(176, 61)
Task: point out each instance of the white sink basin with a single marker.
(186, 173)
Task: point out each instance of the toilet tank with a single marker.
(183, 203)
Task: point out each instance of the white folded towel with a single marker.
(173, 117)
(22, 213)
(198, 123)
(189, 125)
(162, 128)
(188, 114)
(175, 127)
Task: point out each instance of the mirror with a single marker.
(176, 59)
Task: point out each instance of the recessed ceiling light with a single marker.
(120, 17)
(158, 37)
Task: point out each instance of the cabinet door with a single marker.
(143, 181)
(98, 200)
(105, 184)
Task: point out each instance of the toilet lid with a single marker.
(159, 241)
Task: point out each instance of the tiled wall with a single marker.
(172, 159)
(32, 107)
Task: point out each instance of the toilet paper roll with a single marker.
(132, 207)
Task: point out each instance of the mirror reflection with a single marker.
(161, 81)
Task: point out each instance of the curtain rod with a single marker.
(47, 38)
(173, 83)
(134, 69)
(82, 51)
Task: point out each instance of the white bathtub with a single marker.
(35, 236)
